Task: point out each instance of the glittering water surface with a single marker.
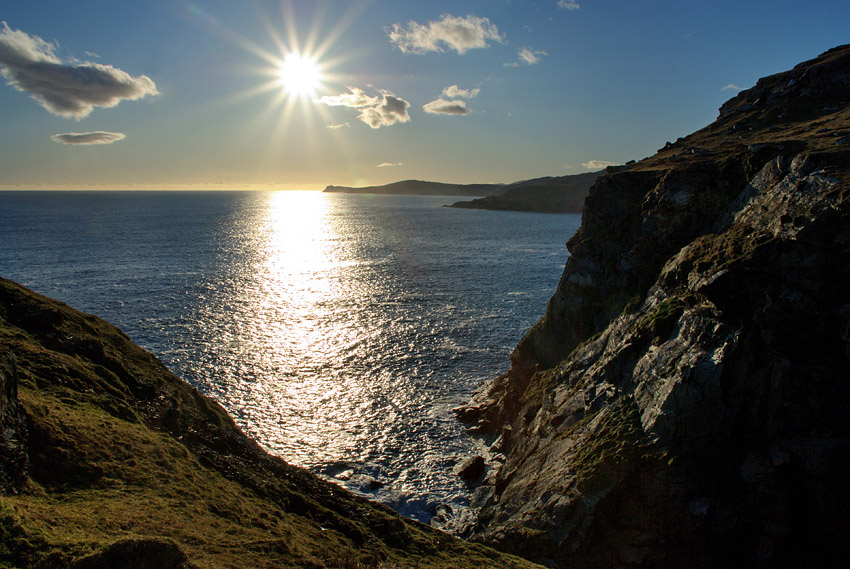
(339, 330)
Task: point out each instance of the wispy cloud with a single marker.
(731, 87)
(88, 138)
(31, 65)
(454, 92)
(444, 107)
(388, 164)
(529, 56)
(355, 99)
(453, 32)
(376, 111)
(568, 4)
(597, 164)
(337, 126)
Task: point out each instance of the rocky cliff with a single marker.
(108, 460)
(684, 400)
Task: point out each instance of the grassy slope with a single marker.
(120, 448)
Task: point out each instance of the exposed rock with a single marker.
(472, 469)
(683, 400)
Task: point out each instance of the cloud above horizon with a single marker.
(731, 87)
(376, 111)
(443, 107)
(388, 164)
(31, 65)
(337, 126)
(529, 56)
(454, 92)
(597, 164)
(453, 32)
(570, 5)
(88, 138)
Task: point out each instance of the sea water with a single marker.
(339, 330)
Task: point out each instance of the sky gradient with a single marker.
(173, 94)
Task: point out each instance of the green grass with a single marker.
(120, 449)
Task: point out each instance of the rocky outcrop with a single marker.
(561, 194)
(683, 400)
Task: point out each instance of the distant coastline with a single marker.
(559, 194)
(422, 188)
(551, 194)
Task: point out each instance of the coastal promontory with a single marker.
(552, 194)
(684, 400)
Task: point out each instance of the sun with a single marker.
(299, 75)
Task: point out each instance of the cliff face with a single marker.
(109, 460)
(683, 402)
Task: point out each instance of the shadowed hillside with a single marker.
(109, 460)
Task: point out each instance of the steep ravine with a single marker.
(683, 402)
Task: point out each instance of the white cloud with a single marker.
(388, 164)
(731, 87)
(31, 65)
(454, 92)
(597, 164)
(376, 111)
(88, 138)
(529, 56)
(568, 4)
(444, 107)
(355, 99)
(455, 32)
(337, 126)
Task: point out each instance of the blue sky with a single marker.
(170, 94)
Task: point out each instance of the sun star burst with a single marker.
(299, 75)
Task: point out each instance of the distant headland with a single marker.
(422, 188)
(550, 194)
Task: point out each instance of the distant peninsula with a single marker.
(552, 194)
(422, 188)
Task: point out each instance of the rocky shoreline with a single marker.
(682, 403)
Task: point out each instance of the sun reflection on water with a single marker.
(295, 291)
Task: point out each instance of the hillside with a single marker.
(107, 460)
(560, 194)
(419, 187)
(683, 401)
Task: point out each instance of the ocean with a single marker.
(339, 330)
